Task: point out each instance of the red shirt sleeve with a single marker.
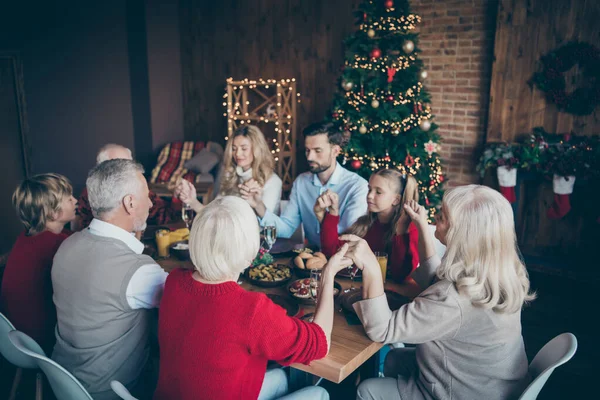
(329, 235)
(284, 339)
(405, 254)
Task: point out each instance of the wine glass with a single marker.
(187, 215)
(270, 233)
(352, 271)
(315, 282)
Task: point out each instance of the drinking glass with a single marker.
(187, 215)
(163, 241)
(270, 233)
(382, 259)
(315, 282)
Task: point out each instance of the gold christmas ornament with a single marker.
(347, 85)
(425, 125)
(375, 103)
(408, 46)
(362, 129)
(371, 33)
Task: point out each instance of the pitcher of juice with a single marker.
(163, 241)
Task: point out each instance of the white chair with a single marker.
(554, 353)
(121, 390)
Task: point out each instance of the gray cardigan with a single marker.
(463, 351)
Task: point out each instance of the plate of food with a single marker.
(395, 300)
(307, 260)
(300, 290)
(269, 275)
(345, 273)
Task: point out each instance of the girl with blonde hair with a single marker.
(466, 324)
(386, 227)
(45, 204)
(247, 160)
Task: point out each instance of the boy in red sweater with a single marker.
(215, 338)
(386, 227)
(45, 204)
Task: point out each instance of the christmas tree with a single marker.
(382, 104)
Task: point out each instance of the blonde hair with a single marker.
(404, 186)
(482, 257)
(262, 165)
(224, 239)
(38, 199)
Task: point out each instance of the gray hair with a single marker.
(104, 150)
(110, 181)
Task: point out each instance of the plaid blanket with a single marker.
(169, 167)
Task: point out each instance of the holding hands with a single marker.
(251, 191)
(417, 213)
(360, 253)
(186, 192)
(328, 201)
(338, 261)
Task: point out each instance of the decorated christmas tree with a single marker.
(382, 103)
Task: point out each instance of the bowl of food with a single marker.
(181, 250)
(307, 260)
(300, 290)
(269, 275)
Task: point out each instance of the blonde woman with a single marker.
(45, 204)
(247, 160)
(467, 322)
(386, 227)
(216, 338)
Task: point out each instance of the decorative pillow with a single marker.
(203, 162)
(215, 148)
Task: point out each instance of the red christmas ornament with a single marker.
(427, 201)
(390, 73)
(390, 98)
(356, 164)
(387, 158)
(375, 53)
(441, 178)
(409, 161)
(432, 183)
(388, 4)
(364, 16)
(335, 115)
(415, 144)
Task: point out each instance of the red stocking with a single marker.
(560, 208)
(507, 179)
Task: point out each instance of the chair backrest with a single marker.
(121, 390)
(9, 351)
(554, 353)
(64, 385)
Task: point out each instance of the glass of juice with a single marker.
(163, 241)
(382, 258)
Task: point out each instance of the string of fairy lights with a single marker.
(381, 63)
(401, 24)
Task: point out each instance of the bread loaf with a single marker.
(315, 263)
(320, 255)
(299, 262)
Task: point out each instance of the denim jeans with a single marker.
(275, 386)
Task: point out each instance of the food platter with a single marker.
(305, 259)
(269, 275)
(299, 290)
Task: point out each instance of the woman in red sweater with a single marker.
(386, 227)
(45, 204)
(215, 338)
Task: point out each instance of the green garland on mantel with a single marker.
(551, 79)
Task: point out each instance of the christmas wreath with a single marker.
(551, 79)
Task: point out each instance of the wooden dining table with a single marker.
(350, 347)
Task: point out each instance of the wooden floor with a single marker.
(563, 305)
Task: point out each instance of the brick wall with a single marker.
(457, 43)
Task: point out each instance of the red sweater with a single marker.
(162, 211)
(26, 295)
(215, 340)
(405, 255)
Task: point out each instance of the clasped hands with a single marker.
(327, 201)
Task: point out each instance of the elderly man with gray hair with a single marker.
(104, 287)
(162, 211)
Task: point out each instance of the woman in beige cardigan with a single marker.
(466, 324)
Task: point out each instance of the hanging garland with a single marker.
(551, 79)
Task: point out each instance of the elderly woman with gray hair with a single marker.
(216, 338)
